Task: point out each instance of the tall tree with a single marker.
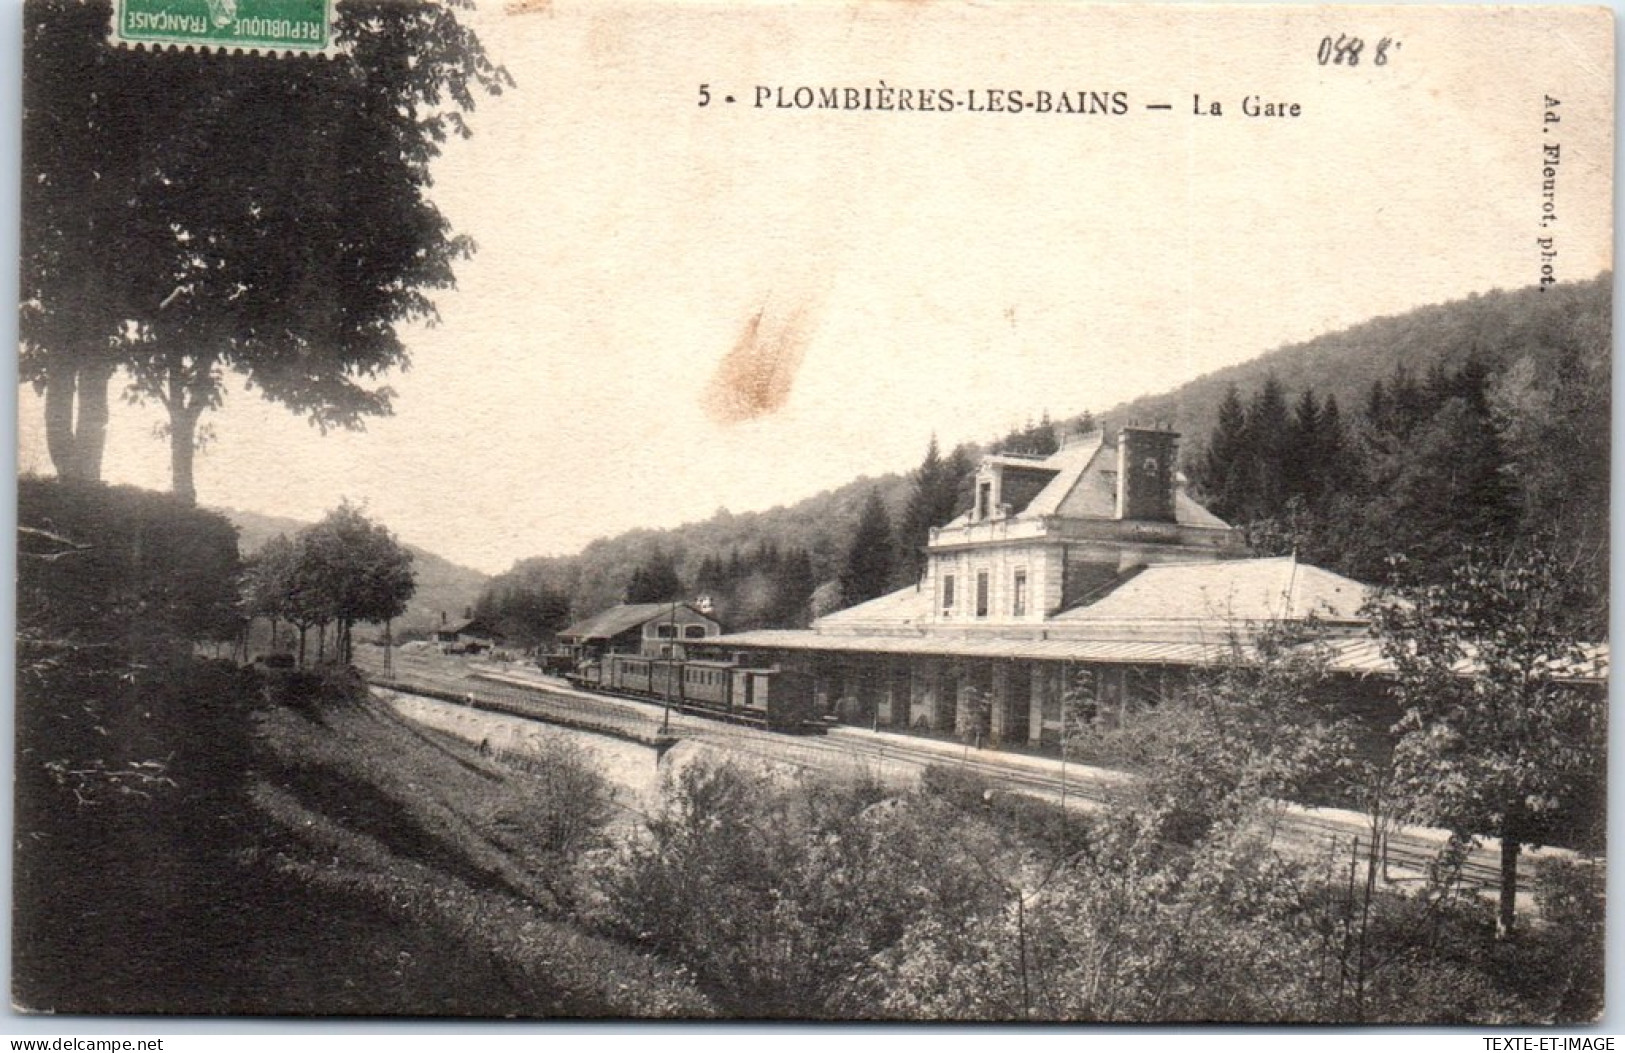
(1304, 450)
(268, 577)
(925, 501)
(869, 557)
(1339, 468)
(1269, 438)
(1033, 440)
(934, 498)
(655, 580)
(793, 591)
(523, 608)
(1438, 474)
(1224, 473)
(358, 569)
(267, 217)
(81, 159)
(1493, 739)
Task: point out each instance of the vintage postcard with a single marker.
(889, 510)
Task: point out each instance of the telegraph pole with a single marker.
(671, 665)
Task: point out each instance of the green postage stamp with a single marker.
(298, 26)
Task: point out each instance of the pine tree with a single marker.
(655, 580)
(1302, 453)
(924, 503)
(1225, 471)
(956, 494)
(869, 558)
(794, 584)
(1268, 433)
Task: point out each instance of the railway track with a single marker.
(1404, 855)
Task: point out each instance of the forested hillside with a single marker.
(1513, 385)
(1497, 327)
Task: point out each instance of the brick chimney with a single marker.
(1146, 472)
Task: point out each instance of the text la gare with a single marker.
(1251, 106)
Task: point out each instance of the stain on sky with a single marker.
(755, 378)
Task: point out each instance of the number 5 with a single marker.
(705, 94)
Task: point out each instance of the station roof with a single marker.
(1132, 652)
(607, 624)
(1356, 656)
(1186, 614)
(1226, 592)
(1083, 485)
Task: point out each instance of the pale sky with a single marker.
(955, 273)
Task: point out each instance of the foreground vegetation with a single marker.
(299, 848)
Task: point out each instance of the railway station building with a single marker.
(1089, 574)
(654, 630)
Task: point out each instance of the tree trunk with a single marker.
(76, 452)
(1508, 912)
(183, 453)
(61, 381)
(90, 437)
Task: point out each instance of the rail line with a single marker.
(1412, 852)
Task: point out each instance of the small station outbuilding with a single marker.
(657, 630)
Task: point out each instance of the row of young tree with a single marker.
(338, 572)
(1462, 460)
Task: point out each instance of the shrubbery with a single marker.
(954, 901)
(120, 567)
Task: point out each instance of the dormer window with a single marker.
(984, 499)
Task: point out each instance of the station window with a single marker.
(693, 632)
(666, 631)
(1018, 594)
(947, 594)
(981, 594)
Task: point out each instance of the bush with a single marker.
(123, 567)
(312, 691)
(1572, 897)
(776, 898)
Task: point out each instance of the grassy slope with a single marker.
(353, 865)
(425, 835)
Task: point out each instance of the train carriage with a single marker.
(665, 678)
(770, 697)
(628, 674)
(708, 685)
